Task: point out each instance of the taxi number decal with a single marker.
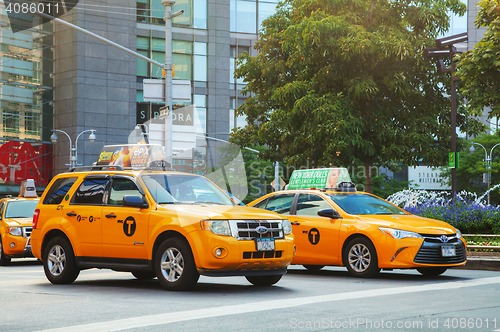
(79, 218)
(129, 226)
(313, 236)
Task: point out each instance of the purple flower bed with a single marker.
(467, 216)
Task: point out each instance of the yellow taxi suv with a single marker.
(338, 226)
(16, 218)
(169, 225)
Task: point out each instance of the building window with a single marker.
(194, 16)
(236, 50)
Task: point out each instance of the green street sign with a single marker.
(453, 158)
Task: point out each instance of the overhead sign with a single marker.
(154, 90)
(318, 178)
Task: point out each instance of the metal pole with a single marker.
(453, 122)
(277, 183)
(168, 74)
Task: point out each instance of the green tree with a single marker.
(339, 81)
(479, 68)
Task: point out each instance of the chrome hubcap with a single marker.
(359, 257)
(172, 264)
(56, 260)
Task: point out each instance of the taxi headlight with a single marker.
(287, 226)
(218, 227)
(399, 234)
(459, 234)
(16, 231)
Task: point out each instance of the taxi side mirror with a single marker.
(135, 201)
(329, 213)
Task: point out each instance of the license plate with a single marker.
(264, 244)
(448, 251)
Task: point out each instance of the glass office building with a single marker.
(26, 93)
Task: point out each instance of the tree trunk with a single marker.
(368, 176)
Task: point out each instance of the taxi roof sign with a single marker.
(28, 189)
(133, 155)
(318, 178)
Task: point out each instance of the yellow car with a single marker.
(364, 233)
(170, 225)
(16, 219)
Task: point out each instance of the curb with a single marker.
(481, 262)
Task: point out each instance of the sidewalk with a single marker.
(489, 261)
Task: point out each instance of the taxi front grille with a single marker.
(262, 254)
(430, 253)
(254, 229)
(27, 231)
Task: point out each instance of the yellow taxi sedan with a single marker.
(16, 219)
(341, 227)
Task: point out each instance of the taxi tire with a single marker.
(368, 252)
(144, 275)
(432, 271)
(4, 260)
(313, 267)
(189, 276)
(61, 248)
(263, 281)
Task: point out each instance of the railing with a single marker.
(494, 248)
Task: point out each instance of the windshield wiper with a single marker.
(166, 203)
(217, 203)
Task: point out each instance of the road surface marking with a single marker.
(173, 317)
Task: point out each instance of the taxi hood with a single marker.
(19, 222)
(410, 222)
(210, 211)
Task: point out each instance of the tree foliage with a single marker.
(336, 81)
(479, 68)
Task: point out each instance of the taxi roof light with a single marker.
(28, 189)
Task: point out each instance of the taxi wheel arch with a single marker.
(62, 269)
(352, 245)
(4, 260)
(180, 272)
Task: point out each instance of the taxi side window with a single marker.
(310, 204)
(91, 191)
(59, 189)
(121, 187)
(281, 204)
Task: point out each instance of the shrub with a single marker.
(464, 212)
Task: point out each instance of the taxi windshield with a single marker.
(184, 189)
(356, 203)
(20, 209)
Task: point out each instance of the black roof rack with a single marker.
(96, 168)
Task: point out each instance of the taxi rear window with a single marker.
(59, 189)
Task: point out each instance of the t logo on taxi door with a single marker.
(129, 226)
(313, 236)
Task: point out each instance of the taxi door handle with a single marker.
(71, 214)
(295, 223)
(111, 216)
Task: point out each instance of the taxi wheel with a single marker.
(143, 275)
(174, 265)
(313, 267)
(360, 258)
(431, 271)
(264, 280)
(4, 260)
(59, 262)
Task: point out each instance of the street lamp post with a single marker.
(72, 148)
(169, 15)
(445, 48)
(487, 159)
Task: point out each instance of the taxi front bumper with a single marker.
(217, 255)
(16, 246)
(427, 252)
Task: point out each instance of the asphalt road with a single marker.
(103, 300)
